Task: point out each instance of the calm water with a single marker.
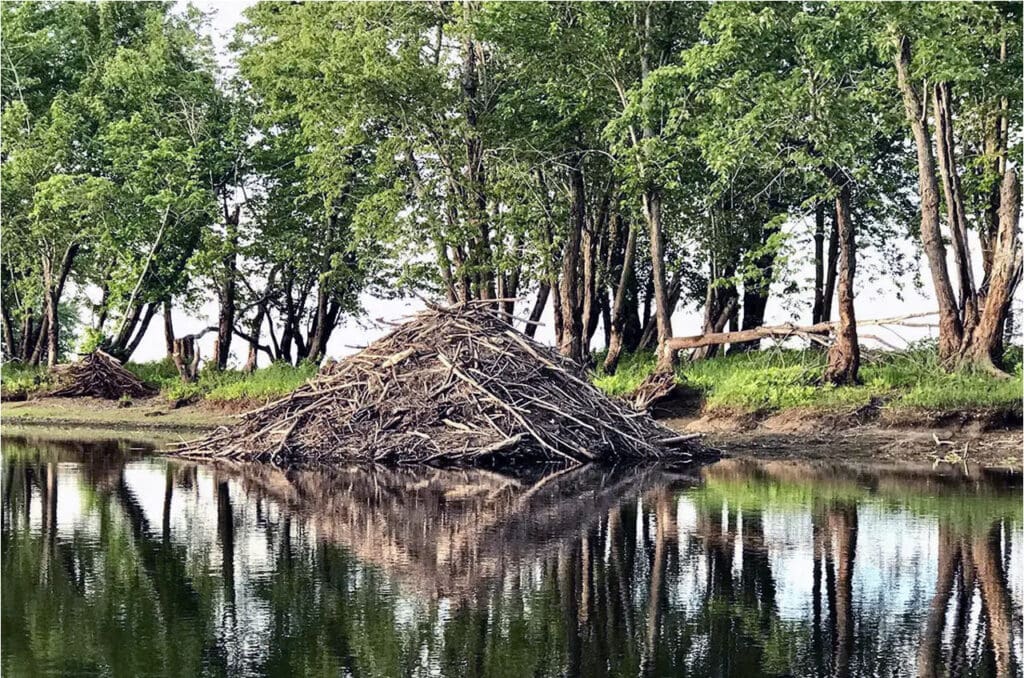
(115, 563)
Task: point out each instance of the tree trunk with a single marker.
(662, 312)
(950, 327)
(168, 328)
(9, 343)
(143, 326)
(50, 299)
(844, 354)
(571, 344)
(27, 330)
(829, 292)
(40, 340)
(538, 308)
(720, 307)
(627, 278)
(186, 358)
(226, 315)
(755, 300)
(981, 346)
(254, 338)
(819, 263)
(954, 204)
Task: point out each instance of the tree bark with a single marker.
(662, 312)
(981, 347)
(9, 343)
(829, 292)
(571, 344)
(627, 278)
(950, 327)
(226, 314)
(168, 327)
(40, 340)
(538, 308)
(254, 338)
(954, 204)
(844, 353)
(54, 290)
(819, 263)
(186, 358)
(52, 325)
(755, 300)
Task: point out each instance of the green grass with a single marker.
(223, 385)
(220, 385)
(772, 380)
(270, 382)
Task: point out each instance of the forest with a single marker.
(604, 163)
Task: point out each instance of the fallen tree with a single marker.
(660, 386)
(453, 386)
(98, 375)
(817, 332)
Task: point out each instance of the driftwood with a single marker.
(99, 375)
(454, 386)
(815, 332)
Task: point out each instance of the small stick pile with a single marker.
(455, 386)
(101, 376)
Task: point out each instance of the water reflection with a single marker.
(122, 564)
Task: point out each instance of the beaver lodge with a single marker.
(98, 375)
(454, 386)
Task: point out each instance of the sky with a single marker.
(875, 288)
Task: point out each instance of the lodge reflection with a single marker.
(588, 572)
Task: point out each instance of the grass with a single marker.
(761, 381)
(220, 385)
(273, 381)
(772, 380)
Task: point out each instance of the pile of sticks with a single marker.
(98, 375)
(453, 386)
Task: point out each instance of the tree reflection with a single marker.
(195, 570)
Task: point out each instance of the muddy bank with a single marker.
(988, 438)
(144, 414)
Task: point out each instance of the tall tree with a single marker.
(958, 69)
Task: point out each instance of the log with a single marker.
(812, 332)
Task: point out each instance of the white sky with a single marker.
(872, 301)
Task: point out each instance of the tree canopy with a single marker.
(615, 161)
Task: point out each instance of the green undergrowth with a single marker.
(273, 381)
(771, 380)
(16, 378)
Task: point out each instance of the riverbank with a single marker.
(972, 438)
(763, 404)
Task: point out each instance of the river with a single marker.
(119, 562)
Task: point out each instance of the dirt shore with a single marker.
(986, 438)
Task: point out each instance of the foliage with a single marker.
(15, 377)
